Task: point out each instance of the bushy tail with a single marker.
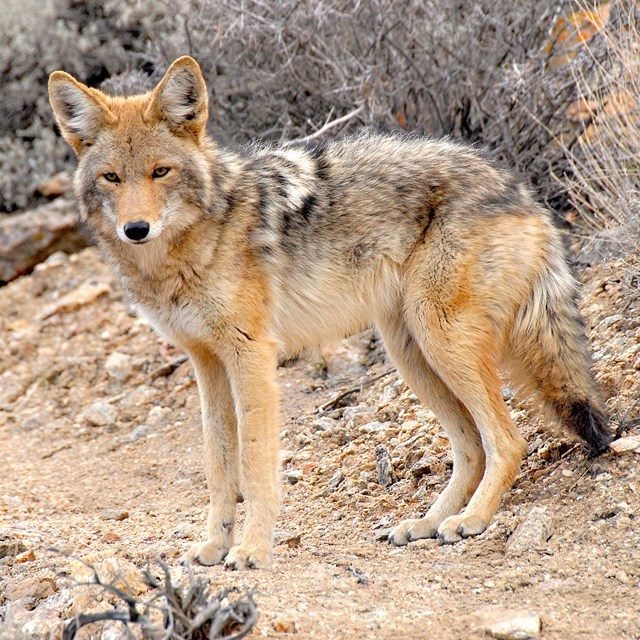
(548, 354)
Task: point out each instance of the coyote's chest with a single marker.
(181, 322)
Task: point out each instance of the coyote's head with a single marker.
(142, 160)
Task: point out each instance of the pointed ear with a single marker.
(79, 110)
(180, 99)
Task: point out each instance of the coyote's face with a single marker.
(142, 172)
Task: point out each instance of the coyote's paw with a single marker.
(409, 530)
(248, 557)
(206, 553)
(454, 528)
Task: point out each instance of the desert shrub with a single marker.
(605, 161)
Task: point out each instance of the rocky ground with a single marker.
(101, 458)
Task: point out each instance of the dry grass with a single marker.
(170, 611)
(605, 161)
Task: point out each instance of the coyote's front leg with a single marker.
(219, 426)
(252, 370)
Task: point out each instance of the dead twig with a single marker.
(168, 368)
(365, 382)
(327, 126)
(187, 611)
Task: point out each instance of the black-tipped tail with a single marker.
(587, 421)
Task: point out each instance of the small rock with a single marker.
(308, 467)
(40, 628)
(423, 466)
(85, 294)
(323, 424)
(115, 514)
(532, 533)
(182, 532)
(36, 587)
(625, 445)
(623, 577)
(54, 261)
(386, 475)
(294, 541)
(58, 185)
(293, 476)
(141, 431)
(36, 420)
(118, 366)
(507, 624)
(390, 392)
(115, 571)
(101, 414)
(159, 417)
(110, 538)
(372, 427)
(291, 538)
(28, 238)
(285, 625)
(382, 534)
(609, 321)
(111, 630)
(142, 395)
(10, 545)
(340, 436)
(27, 556)
(334, 483)
(358, 415)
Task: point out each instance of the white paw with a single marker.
(409, 530)
(206, 553)
(454, 528)
(249, 557)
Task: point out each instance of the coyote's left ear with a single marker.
(180, 99)
(80, 111)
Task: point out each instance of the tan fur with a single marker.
(269, 251)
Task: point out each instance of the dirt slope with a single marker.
(101, 457)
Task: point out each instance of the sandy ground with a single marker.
(101, 458)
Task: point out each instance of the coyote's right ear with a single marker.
(79, 110)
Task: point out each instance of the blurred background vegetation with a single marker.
(550, 88)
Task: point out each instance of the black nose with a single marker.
(137, 230)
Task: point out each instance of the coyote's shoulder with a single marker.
(239, 255)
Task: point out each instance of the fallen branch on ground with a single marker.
(365, 382)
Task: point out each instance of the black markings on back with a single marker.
(509, 198)
(307, 207)
(286, 223)
(230, 200)
(263, 204)
(319, 153)
(282, 183)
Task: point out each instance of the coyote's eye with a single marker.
(160, 172)
(110, 176)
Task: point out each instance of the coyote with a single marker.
(242, 256)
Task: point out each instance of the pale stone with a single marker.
(118, 366)
(532, 533)
(101, 414)
(507, 624)
(626, 445)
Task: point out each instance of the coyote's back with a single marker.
(239, 255)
